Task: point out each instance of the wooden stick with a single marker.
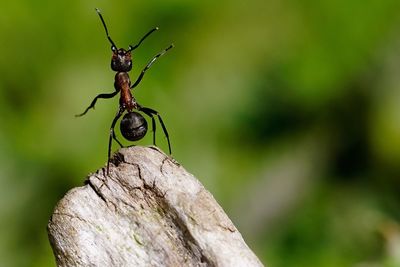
(148, 212)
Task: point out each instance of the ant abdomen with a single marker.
(133, 126)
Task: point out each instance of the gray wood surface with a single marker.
(148, 212)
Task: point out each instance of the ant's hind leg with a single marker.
(165, 132)
(153, 112)
(153, 122)
(112, 136)
(104, 96)
(115, 138)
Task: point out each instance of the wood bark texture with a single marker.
(149, 211)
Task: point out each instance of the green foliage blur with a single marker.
(287, 111)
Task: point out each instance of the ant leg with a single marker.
(153, 112)
(115, 138)
(105, 96)
(165, 132)
(112, 136)
(153, 122)
(149, 65)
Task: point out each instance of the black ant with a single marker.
(133, 125)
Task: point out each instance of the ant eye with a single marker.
(113, 48)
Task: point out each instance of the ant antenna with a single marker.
(113, 46)
(141, 40)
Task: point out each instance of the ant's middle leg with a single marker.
(104, 96)
(150, 112)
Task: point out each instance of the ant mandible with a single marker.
(133, 125)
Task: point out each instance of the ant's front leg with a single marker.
(149, 65)
(104, 96)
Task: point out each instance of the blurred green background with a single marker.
(287, 111)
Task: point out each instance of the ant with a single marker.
(133, 125)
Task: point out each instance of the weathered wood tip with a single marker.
(148, 212)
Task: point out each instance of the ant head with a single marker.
(121, 60)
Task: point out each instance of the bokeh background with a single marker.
(288, 111)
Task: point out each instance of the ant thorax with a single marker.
(123, 84)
